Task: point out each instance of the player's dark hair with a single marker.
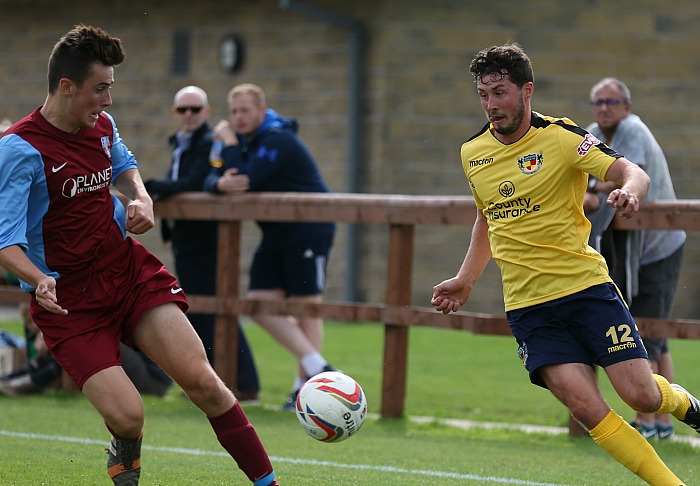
(73, 55)
(498, 62)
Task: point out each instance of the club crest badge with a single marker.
(106, 146)
(530, 163)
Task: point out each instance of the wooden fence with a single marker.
(400, 214)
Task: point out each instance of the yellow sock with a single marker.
(629, 448)
(672, 401)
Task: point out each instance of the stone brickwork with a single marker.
(419, 103)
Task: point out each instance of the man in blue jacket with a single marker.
(290, 261)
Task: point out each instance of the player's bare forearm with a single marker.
(453, 293)
(14, 260)
(479, 252)
(131, 185)
(634, 184)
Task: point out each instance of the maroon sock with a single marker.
(238, 437)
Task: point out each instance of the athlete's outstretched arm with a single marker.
(633, 185)
(453, 293)
(139, 212)
(14, 260)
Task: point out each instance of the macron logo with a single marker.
(56, 169)
(173, 290)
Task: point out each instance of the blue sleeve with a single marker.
(122, 158)
(24, 199)
(21, 167)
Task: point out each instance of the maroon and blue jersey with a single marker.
(55, 194)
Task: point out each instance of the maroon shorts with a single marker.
(104, 304)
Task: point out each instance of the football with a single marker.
(331, 406)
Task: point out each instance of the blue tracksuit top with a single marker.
(276, 160)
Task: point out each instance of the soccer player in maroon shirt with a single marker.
(63, 234)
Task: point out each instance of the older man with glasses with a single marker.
(645, 265)
(194, 242)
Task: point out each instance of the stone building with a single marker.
(382, 94)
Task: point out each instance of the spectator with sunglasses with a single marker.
(646, 264)
(194, 242)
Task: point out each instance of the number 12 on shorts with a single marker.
(621, 334)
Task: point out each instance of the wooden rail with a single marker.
(401, 214)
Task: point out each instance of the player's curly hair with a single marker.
(498, 62)
(73, 55)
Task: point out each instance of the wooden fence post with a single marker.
(398, 293)
(227, 284)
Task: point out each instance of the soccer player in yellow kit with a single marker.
(528, 174)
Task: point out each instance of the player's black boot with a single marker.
(692, 416)
(124, 461)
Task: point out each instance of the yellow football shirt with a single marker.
(531, 193)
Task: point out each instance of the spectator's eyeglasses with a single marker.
(183, 109)
(606, 101)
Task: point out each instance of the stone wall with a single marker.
(418, 101)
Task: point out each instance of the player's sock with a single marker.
(124, 460)
(313, 363)
(672, 401)
(238, 437)
(630, 449)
